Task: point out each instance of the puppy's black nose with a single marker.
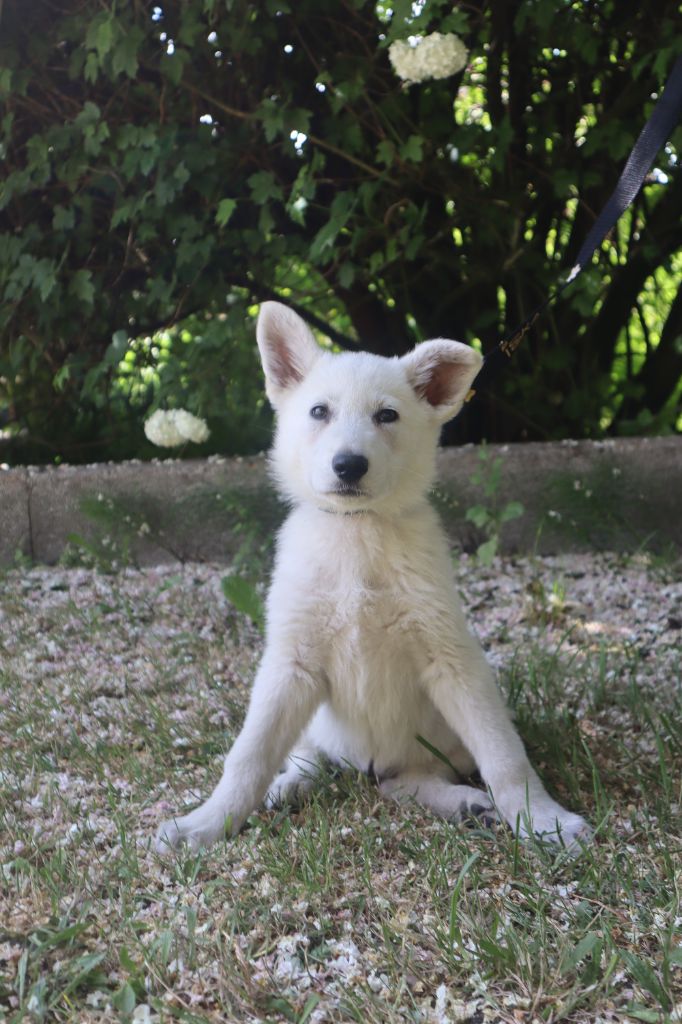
(348, 467)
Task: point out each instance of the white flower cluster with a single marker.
(173, 427)
(422, 57)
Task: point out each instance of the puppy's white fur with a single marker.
(367, 647)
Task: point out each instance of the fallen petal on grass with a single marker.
(118, 696)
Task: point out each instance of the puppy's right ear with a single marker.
(287, 348)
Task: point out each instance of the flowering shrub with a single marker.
(424, 57)
(169, 428)
(280, 154)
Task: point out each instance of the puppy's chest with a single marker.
(366, 607)
(370, 646)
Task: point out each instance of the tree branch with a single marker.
(246, 115)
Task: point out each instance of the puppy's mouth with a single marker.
(346, 500)
(349, 491)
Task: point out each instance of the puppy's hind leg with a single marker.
(293, 783)
(456, 803)
(462, 687)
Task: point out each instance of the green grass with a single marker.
(117, 696)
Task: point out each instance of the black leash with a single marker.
(655, 133)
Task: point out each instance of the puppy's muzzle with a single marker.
(349, 467)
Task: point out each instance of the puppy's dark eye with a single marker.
(320, 412)
(386, 416)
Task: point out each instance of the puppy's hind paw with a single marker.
(481, 814)
(478, 809)
(288, 789)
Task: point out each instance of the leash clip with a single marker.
(509, 345)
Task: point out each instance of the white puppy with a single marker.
(367, 648)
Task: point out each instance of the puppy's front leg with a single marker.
(284, 698)
(461, 685)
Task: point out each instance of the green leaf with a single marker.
(263, 187)
(90, 114)
(645, 977)
(226, 208)
(454, 899)
(266, 221)
(164, 191)
(100, 33)
(413, 149)
(385, 152)
(583, 948)
(340, 211)
(478, 515)
(125, 999)
(21, 974)
(147, 161)
(121, 214)
(346, 275)
(127, 961)
(512, 510)
(7, 124)
(163, 945)
(82, 287)
(191, 25)
(104, 37)
(124, 59)
(272, 116)
(181, 174)
(117, 349)
(282, 1006)
(643, 1013)
(171, 67)
(63, 219)
(91, 67)
(44, 278)
(486, 552)
(310, 1004)
(47, 938)
(244, 597)
(297, 209)
(436, 752)
(37, 151)
(61, 376)
(85, 970)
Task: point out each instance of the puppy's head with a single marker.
(357, 432)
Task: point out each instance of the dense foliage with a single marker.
(166, 168)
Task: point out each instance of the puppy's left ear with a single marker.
(441, 372)
(287, 348)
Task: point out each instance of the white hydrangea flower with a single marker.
(169, 428)
(191, 427)
(422, 57)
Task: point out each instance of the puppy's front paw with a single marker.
(560, 827)
(571, 831)
(196, 830)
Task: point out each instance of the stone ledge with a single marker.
(577, 495)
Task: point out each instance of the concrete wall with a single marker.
(620, 494)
